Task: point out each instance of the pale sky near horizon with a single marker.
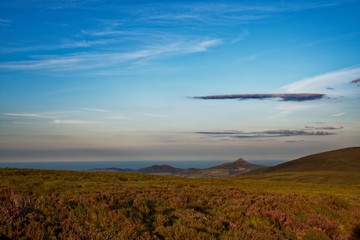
(121, 80)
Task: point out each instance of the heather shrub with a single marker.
(75, 205)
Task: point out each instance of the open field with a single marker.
(44, 204)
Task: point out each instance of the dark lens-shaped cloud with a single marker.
(297, 97)
(221, 133)
(285, 132)
(334, 127)
(266, 134)
(356, 81)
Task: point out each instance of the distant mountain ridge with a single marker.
(230, 169)
(112, 169)
(165, 169)
(341, 160)
(235, 168)
(240, 163)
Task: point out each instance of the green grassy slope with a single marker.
(39, 204)
(334, 167)
(347, 159)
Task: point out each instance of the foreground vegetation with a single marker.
(42, 204)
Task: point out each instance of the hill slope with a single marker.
(235, 168)
(111, 169)
(346, 159)
(240, 164)
(160, 169)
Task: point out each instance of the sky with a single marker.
(177, 80)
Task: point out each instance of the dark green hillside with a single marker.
(334, 167)
(347, 159)
(230, 169)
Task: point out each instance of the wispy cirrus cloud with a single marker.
(203, 45)
(250, 57)
(219, 12)
(256, 7)
(339, 114)
(61, 121)
(5, 22)
(172, 17)
(65, 44)
(103, 39)
(50, 63)
(116, 118)
(96, 110)
(91, 60)
(110, 32)
(147, 114)
(23, 122)
(68, 4)
(286, 108)
(51, 4)
(53, 119)
(27, 115)
(240, 37)
(324, 81)
(85, 43)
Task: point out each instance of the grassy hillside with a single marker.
(230, 169)
(347, 159)
(341, 167)
(39, 204)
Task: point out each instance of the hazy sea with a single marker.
(83, 165)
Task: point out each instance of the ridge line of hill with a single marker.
(340, 160)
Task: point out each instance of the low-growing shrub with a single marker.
(134, 206)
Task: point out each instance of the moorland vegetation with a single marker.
(47, 204)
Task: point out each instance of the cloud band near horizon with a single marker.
(297, 97)
(267, 134)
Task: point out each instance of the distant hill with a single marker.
(235, 168)
(346, 159)
(239, 164)
(160, 169)
(112, 169)
(341, 160)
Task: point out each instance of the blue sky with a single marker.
(121, 80)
